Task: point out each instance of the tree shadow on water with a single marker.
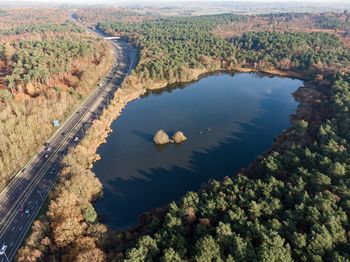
(162, 186)
(143, 135)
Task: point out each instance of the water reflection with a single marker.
(228, 119)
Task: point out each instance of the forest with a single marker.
(25, 17)
(46, 69)
(41, 28)
(36, 61)
(291, 204)
(334, 23)
(296, 51)
(167, 57)
(329, 22)
(162, 43)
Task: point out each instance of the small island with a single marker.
(162, 138)
(179, 137)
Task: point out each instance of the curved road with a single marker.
(22, 199)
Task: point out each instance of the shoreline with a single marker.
(84, 155)
(305, 109)
(160, 86)
(119, 103)
(77, 188)
(129, 234)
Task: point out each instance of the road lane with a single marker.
(35, 160)
(23, 191)
(23, 178)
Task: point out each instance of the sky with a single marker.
(165, 1)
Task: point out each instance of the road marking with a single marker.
(13, 228)
(11, 244)
(112, 86)
(62, 143)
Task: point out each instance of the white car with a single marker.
(3, 249)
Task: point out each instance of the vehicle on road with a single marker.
(76, 139)
(3, 249)
(48, 148)
(64, 151)
(52, 171)
(27, 210)
(46, 156)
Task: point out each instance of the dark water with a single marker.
(228, 119)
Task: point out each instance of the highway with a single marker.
(23, 198)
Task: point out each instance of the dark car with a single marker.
(64, 151)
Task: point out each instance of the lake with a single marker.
(229, 119)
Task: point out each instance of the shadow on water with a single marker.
(243, 116)
(143, 135)
(160, 186)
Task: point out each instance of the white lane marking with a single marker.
(13, 228)
(20, 229)
(29, 202)
(11, 244)
(22, 186)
